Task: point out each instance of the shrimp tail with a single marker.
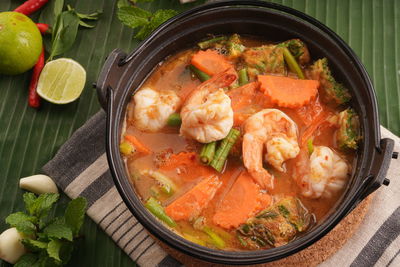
(219, 80)
(252, 159)
(263, 178)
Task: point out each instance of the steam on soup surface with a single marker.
(240, 144)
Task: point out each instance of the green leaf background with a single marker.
(30, 138)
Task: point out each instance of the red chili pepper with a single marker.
(34, 98)
(43, 28)
(30, 6)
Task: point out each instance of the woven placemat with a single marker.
(311, 256)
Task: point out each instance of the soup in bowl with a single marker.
(243, 146)
(240, 143)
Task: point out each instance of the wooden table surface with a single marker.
(29, 138)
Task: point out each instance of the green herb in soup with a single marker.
(239, 143)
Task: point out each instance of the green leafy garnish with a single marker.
(143, 20)
(49, 241)
(64, 25)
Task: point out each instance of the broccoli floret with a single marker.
(333, 91)
(235, 46)
(276, 225)
(298, 49)
(348, 133)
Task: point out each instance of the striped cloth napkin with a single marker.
(80, 169)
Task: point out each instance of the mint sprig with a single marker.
(142, 20)
(49, 241)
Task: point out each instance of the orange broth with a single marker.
(173, 74)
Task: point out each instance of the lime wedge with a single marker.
(61, 81)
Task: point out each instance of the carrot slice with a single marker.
(180, 159)
(242, 201)
(210, 62)
(288, 92)
(190, 205)
(137, 144)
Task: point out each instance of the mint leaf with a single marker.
(30, 200)
(34, 245)
(58, 229)
(161, 16)
(122, 3)
(53, 249)
(39, 206)
(156, 20)
(133, 16)
(27, 260)
(75, 214)
(44, 203)
(46, 261)
(23, 222)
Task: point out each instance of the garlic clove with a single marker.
(38, 184)
(11, 248)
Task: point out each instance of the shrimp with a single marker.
(207, 114)
(323, 174)
(278, 132)
(152, 108)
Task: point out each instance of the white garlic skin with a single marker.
(38, 184)
(11, 248)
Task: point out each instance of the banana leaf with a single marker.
(30, 138)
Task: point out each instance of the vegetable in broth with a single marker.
(240, 143)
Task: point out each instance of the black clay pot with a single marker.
(122, 74)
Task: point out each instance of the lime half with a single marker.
(61, 81)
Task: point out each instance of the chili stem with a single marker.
(223, 150)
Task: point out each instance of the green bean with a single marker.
(223, 150)
(174, 119)
(216, 239)
(207, 152)
(208, 43)
(126, 148)
(167, 186)
(157, 210)
(202, 76)
(243, 78)
(292, 63)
